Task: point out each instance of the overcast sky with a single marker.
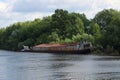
(12, 11)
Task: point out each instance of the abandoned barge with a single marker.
(72, 48)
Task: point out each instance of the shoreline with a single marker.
(96, 52)
(106, 52)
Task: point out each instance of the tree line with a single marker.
(64, 27)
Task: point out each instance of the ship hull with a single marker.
(85, 51)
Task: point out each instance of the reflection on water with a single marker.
(34, 66)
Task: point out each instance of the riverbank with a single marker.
(96, 52)
(103, 52)
(106, 52)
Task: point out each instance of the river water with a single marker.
(43, 66)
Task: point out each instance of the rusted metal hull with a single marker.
(85, 51)
(73, 48)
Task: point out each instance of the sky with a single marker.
(12, 11)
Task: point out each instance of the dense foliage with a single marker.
(64, 27)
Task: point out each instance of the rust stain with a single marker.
(54, 45)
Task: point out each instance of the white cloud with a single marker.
(21, 10)
(114, 4)
(49, 5)
(3, 7)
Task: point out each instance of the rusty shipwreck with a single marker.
(72, 48)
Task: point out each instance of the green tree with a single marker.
(104, 17)
(54, 37)
(96, 32)
(111, 35)
(59, 21)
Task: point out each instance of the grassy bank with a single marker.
(111, 52)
